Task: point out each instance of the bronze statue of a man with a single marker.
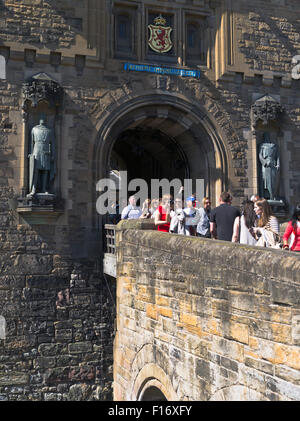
(270, 164)
(42, 158)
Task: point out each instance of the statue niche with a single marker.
(40, 200)
(266, 121)
(42, 101)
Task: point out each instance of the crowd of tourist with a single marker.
(255, 224)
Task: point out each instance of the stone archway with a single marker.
(152, 382)
(185, 123)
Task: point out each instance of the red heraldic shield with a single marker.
(160, 38)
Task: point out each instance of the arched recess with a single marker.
(184, 122)
(151, 376)
(146, 373)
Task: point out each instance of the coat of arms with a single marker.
(160, 36)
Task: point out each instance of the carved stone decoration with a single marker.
(41, 87)
(265, 109)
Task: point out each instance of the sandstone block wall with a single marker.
(208, 320)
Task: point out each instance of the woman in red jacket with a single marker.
(293, 229)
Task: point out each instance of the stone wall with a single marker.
(208, 320)
(70, 41)
(41, 23)
(59, 327)
(270, 39)
(56, 348)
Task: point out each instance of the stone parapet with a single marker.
(208, 320)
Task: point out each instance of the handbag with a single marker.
(269, 238)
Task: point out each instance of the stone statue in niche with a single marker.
(42, 161)
(270, 165)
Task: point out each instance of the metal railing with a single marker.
(110, 235)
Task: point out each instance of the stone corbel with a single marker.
(265, 109)
(42, 88)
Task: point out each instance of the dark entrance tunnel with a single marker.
(148, 154)
(152, 393)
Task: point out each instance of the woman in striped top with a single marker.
(266, 220)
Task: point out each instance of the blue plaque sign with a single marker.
(161, 70)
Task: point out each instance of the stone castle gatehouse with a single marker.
(160, 89)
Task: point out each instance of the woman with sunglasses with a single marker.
(292, 232)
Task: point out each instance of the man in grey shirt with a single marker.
(203, 227)
(131, 211)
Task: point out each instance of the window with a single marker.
(196, 41)
(191, 37)
(123, 35)
(123, 29)
(2, 67)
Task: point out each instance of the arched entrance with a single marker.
(162, 136)
(149, 381)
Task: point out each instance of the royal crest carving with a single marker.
(160, 36)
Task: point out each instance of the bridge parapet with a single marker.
(201, 319)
